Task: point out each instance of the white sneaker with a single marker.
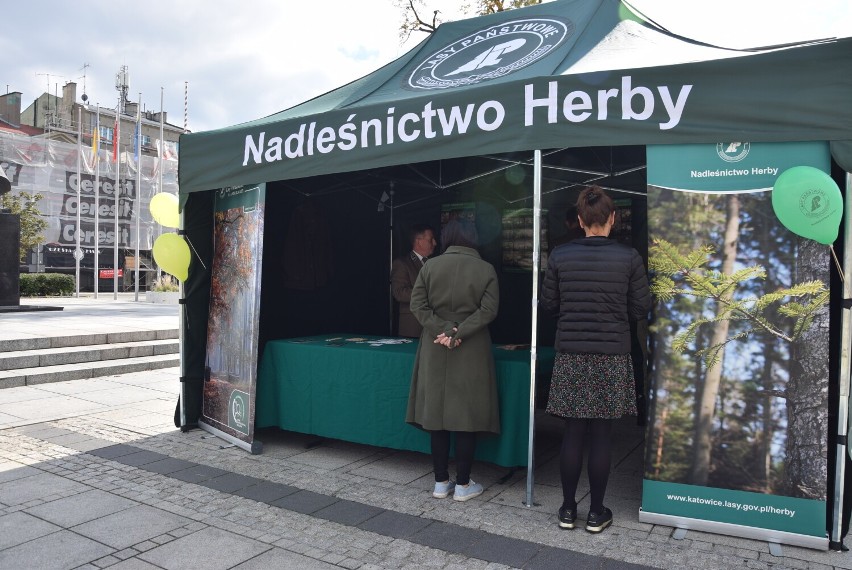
(443, 490)
(465, 493)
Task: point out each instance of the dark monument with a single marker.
(10, 257)
(10, 246)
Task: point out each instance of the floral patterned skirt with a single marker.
(592, 386)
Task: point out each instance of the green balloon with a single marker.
(808, 202)
(171, 253)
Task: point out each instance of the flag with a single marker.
(136, 143)
(170, 151)
(167, 149)
(96, 140)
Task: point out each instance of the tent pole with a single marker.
(182, 333)
(390, 264)
(835, 538)
(534, 332)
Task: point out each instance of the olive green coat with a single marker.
(455, 389)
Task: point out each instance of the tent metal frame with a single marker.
(536, 274)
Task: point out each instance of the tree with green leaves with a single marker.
(677, 376)
(769, 411)
(733, 317)
(32, 222)
(687, 274)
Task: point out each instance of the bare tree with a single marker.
(417, 14)
(483, 7)
(413, 13)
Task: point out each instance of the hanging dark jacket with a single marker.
(595, 286)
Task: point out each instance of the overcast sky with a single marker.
(245, 60)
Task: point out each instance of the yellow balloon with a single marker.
(164, 208)
(171, 253)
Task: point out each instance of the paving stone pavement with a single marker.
(92, 481)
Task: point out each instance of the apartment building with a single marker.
(95, 180)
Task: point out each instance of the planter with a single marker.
(167, 297)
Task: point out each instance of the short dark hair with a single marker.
(460, 232)
(594, 206)
(417, 230)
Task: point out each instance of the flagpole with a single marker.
(185, 106)
(138, 154)
(97, 199)
(116, 191)
(160, 159)
(77, 251)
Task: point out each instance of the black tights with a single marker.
(571, 460)
(465, 447)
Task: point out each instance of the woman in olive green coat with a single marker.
(453, 386)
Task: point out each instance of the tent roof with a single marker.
(568, 73)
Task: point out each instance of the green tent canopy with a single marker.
(568, 73)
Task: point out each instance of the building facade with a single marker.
(57, 118)
(94, 180)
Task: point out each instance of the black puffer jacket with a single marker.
(596, 286)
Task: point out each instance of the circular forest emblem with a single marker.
(491, 53)
(814, 203)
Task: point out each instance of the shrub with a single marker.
(46, 284)
(165, 284)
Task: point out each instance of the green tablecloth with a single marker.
(336, 387)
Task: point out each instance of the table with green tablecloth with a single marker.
(355, 388)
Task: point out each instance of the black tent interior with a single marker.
(367, 215)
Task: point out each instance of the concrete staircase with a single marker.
(26, 362)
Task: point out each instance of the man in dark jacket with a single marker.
(404, 273)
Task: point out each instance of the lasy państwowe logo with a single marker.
(490, 53)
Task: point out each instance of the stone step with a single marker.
(63, 372)
(12, 360)
(37, 343)
(27, 361)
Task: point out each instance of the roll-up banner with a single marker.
(228, 402)
(738, 414)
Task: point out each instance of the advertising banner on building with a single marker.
(738, 413)
(232, 331)
(49, 168)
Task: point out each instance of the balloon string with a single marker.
(199, 257)
(837, 263)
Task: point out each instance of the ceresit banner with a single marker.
(97, 192)
(738, 423)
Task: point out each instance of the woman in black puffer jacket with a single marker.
(596, 286)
